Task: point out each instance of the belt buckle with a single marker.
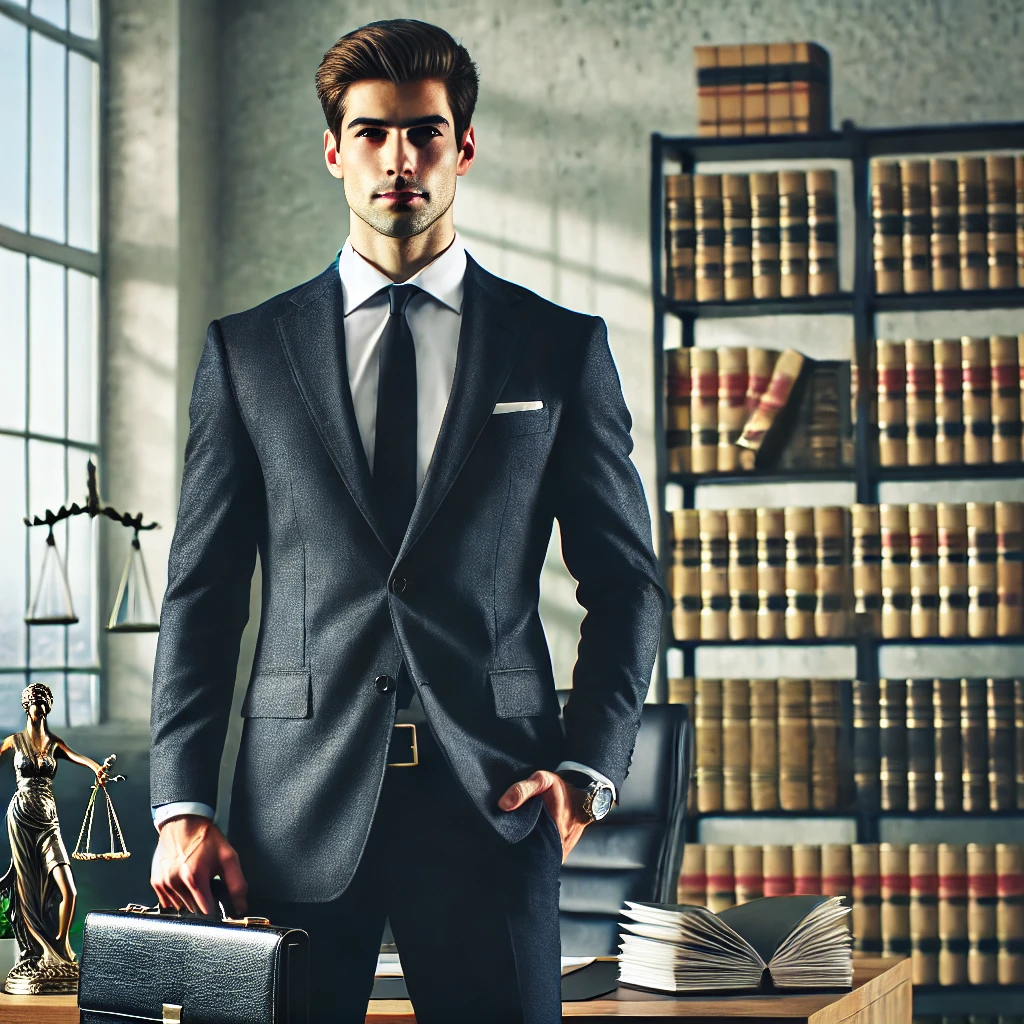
(415, 748)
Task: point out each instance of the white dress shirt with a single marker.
(435, 319)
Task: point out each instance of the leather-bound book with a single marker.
(837, 872)
(682, 690)
(794, 744)
(894, 521)
(886, 226)
(972, 231)
(755, 88)
(920, 746)
(1005, 398)
(824, 744)
(892, 743)
(952, 568)
(917, 225)
(677, 409)
(892, 402)
(703, 410)
(780, 89)
(822, 262)
(787, 369)
(921, 403)
(764, 746)
(894, 872)
(983, 948)
(924, 579)
(949, 428)
(866, 752)
(1018, 731)
(760, 364)
(1001, 745)
(952, 914)
(810, 76)
(714, 574)
(684, 574)
(1019, 177)
(832, 573)
(1010, 912)
(1009, 568)
(680, 237)
(867, 899)
(736, 744)
(1001, 215)
(982, 578)
(801, 575)
(793, 232)
(742, 525)
(749, 876)
(924, 913)
(705, 59)
(739, 283)
(693, 878)
(732, 405)
(977, 400)
(806, 869)
(709, 241)
(866, 569)
(945, 251)
(946, 717)
(771, 574)
(764, 232)
(708, 732)
(721, 876)
(778, 870)
(730, 90)
(974, 748)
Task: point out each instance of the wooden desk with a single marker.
(881, 995)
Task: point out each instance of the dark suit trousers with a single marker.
(475, 919)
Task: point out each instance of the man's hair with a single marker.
(400, 50)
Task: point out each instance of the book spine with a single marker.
(824, 744)
(760, 364)
(736, 744)
(708, 732)
(822, 237)
(886, 227)
(709, 238)
(755, 89)
(977, 400)
(983, 948)
(739, 283)
(917, 226)
(973, 753)
(920, 356)
(952, 914)
(892, 403)
(801, 576)
(837, 873)
(680, 237)
(949, 430)
(742, 526)
(684, 574)
(794, 744)
(703, 410)
(952, 569)
(705, 58)
(894, 522)
(924, 913)
(778, 870)
(1005, 383)
(972, 224)
(771, 574)
(780, 88)
(683, 691)
(1001, 745)
(1010, 912)
(721, 877)
(730, 92)
(892, 743)
(894, 871)
(714, 574)
(732, 405)
(946, 709)
(867, 900)
(832, 572)
(924, 571)
(764, 226)
(1018, 730)
(749, 872)
(1019, 177)
(1009, 516)
(945, 251)
(982, 579)
(764, 748)
(787, 368)
(806, 869)
(677, 409)
(920, 746)
(866, 569)
(693, 879)
(1001, 239)
(793, 232)
(866, 740)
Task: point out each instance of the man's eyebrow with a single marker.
(378, 122)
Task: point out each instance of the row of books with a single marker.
(895, 571)
(950, 401)
(943, 225)
(737, 237)
(957, 911)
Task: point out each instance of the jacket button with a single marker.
(398, 584)
(384, 683)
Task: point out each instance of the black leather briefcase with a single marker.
(145, 964)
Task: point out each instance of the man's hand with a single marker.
(564, 803)
(191, 851)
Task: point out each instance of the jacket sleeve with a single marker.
(606, 544)
(206, 604)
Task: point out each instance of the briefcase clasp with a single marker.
(172, 1014)
(245, 922)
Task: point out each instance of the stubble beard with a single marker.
(403, 223)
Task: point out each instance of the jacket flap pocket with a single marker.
(520, 692)
(278, 693)
(527, 421)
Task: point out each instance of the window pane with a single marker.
(81, 562)
(49, 140)
(46, 490)
(13, 121)
(46, 347)
(54, 11)
(13, 599)
(83, 699)
(11, 714)
(83, 151)
(13, 268)
(82, 348)
(58, 717)
(83, 18)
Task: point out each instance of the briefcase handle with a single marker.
(221, 898)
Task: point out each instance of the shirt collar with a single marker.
(442, 278)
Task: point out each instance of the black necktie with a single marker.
(394, 456)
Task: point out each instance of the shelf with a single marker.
(849, 813)
(764, 476)
(988, 471)
(782, 642)
(948, 1000)
(966, 817)
(981, 299)
(953, 641)
(845, 815)
(853, 641)
(700, 149)
(945, 138)
(842, 302)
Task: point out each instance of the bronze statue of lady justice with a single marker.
(39, 881)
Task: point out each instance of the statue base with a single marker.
(32, 977)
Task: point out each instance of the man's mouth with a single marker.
(401, 197)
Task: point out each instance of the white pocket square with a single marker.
(517, 407)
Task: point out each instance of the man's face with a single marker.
(398, 155)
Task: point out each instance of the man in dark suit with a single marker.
(395, 438)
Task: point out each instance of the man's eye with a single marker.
(365, 130)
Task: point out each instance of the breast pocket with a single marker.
(512, 424)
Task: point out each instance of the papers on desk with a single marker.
(389, 965)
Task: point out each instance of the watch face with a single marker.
(602, 803)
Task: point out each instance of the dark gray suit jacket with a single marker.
(274, 463)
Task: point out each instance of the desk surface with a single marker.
(881, 994)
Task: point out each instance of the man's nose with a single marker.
(398, 156)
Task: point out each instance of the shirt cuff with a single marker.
(163, 812)
(575, 766)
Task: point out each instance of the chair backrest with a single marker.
(634, 853)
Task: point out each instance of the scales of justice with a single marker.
(38, 883)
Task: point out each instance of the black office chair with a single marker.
(634, 853)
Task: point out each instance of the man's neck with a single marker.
(400, 258)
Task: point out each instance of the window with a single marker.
(49, 292)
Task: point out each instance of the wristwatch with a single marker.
(597, 796)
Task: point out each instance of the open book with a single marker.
(778, 942)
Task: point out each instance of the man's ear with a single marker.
(467, 151)
(331, 155)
